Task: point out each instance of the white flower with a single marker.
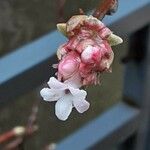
(66, 96)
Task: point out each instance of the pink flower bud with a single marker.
(95, 60)
(69, 65)
(91, 55)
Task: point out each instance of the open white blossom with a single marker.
(67, 97)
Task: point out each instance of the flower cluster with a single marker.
(82, 59)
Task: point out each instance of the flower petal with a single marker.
(79, 101)
(81, 105)
(81, 94)
(55, 84)
(50, 94)
(63, 107)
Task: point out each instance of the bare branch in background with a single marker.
(32, 119)
(15, 132)
(21, 133)
(13, 145)
(18, 142)
(105, 7)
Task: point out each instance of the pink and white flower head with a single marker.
(82, 59)
(88, 37)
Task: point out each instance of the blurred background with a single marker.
(22, 22)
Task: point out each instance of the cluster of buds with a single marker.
(88, 52)
(82, 59)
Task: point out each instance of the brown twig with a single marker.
(6, 136)
(104, 7)
(113, 9)
(13, 145)
(17, 131)
(18, 142)
(31, 126)
(32, 118)
(21, 133)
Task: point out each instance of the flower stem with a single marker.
(104, 7)
(6, 136)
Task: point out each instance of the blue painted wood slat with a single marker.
(108, 129)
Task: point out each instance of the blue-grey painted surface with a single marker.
(29, 55)
(99, 129)
(144, 131)
(133, 82)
